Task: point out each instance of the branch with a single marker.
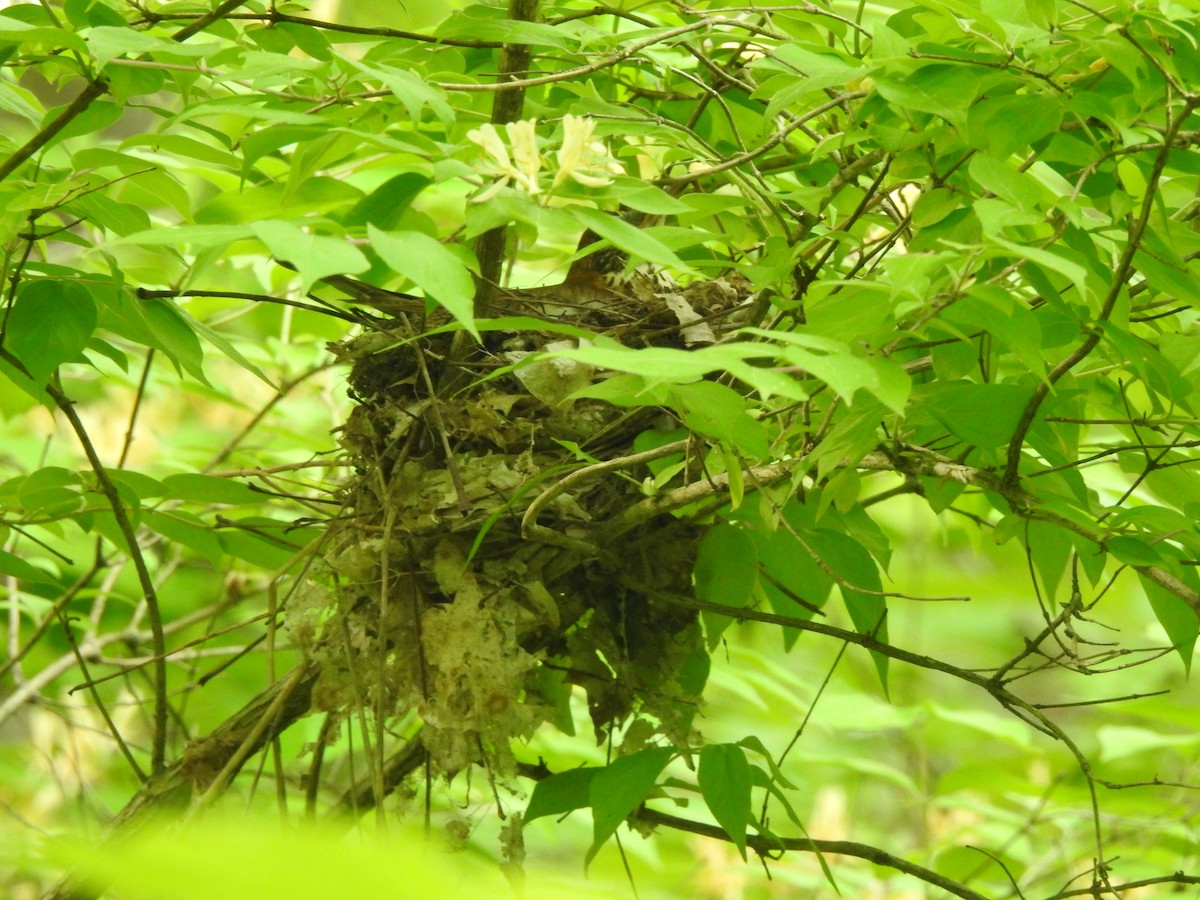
(1022, 503)
(206, 759)
(1121, 274)
(158, 751)
(96, 88)
(274, 16)
(567, 74)
(765, 846)
(207, 19)
(506, 107)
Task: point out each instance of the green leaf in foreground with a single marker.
(242, 859)
(561, 793)
(634, 240)
(1175, 616)
(208, 489)
(620, 788)
(314, 256)
(725, 779)
(50, 324)
(430, 266)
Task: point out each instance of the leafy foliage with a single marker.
(898, 300)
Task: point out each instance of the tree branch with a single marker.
(489, 247)
(765, 846)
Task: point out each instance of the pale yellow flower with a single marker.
(582, 159)
(498, 163)
(523, 137)
(519, 161)
(488, 138)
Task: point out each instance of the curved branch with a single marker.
(97, 88)
(1121, 274)
(506, 108)
(207, 759)
(567, 74)
(1023, 504)
(76, 107)
(766, 845)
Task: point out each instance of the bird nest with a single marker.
(464, 578)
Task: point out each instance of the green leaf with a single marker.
(384, 206)
(1050, 259)
(1177, 618)
(639, 243)
(1007, 124)
(247, 857)
(671, 366)
(1051, 549)
(1044, 13)
(411, 88)
(856, 570)
(107, 43)
(314, 256)
(726, 566)
(477, 23)
(141, 484)
(197, 237)
(791, 578)
(172, 334)
(719, 412)
(1133, 551)
(838, 366)
(267, 543)
(933, 206)
(626, 390)
(154, 323)
(18, 32)
(725, 779)
(430, 266)
(50, 324)
(209, 489)
(726, 574)
(1004, 181)
(227, 347)
(187, 530)
(984, 415)
(1150, 365)
(637, 194)
(943, 90)
(855, 434)
(753, 742)
(15, 567)
(1005, 318)
(620, 788)
(561, 793)
(49, 491)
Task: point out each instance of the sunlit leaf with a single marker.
(620, 788)
(1179, 620)
(49, 324)
(561, 793)
(313, 255)
(724, 779)
(431, 267)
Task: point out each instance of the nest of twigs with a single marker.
(446, 595)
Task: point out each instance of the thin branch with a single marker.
(567, 74)
(158, 751)
(95, 88)
(1121, 274)
(769, 845)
